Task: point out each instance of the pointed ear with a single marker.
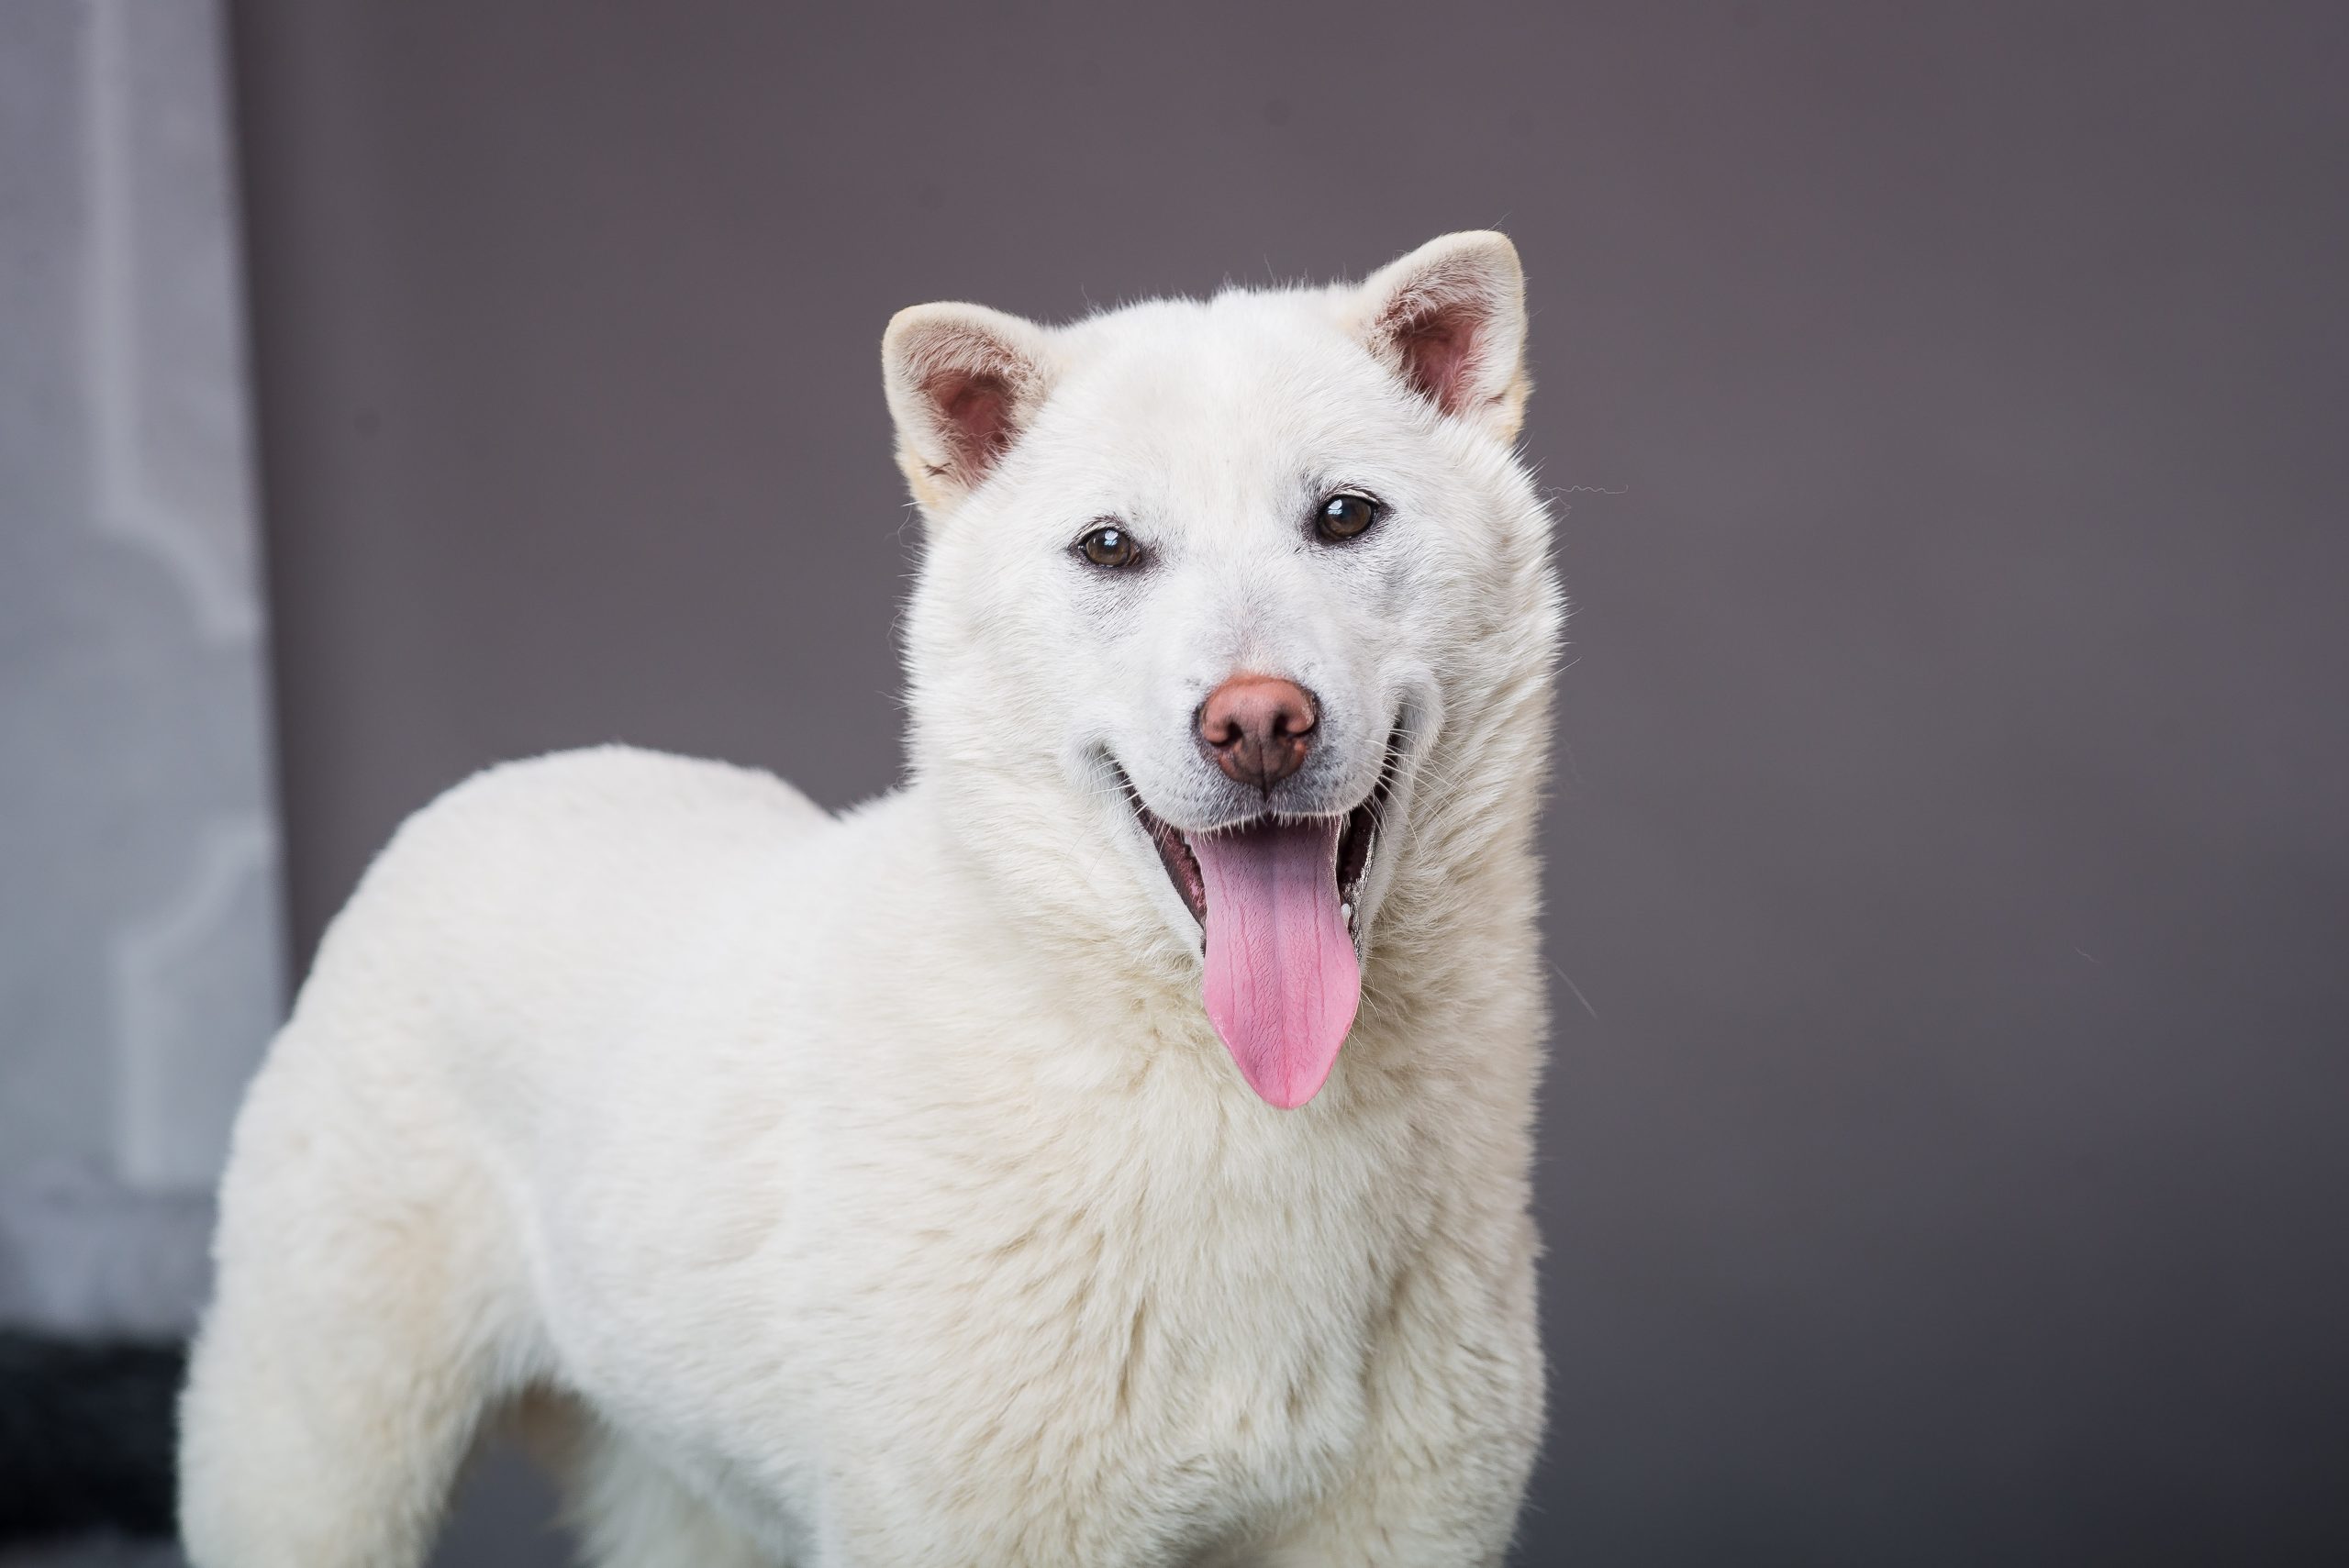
(1449, 319)
(962, 381)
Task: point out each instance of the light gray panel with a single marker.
(139, 917)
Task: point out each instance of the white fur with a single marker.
(872, 1190)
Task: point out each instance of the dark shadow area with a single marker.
(85, 1438)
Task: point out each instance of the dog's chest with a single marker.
(1159, 1354)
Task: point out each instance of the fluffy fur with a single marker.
(872, 1189)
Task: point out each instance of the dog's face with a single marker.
(1203, 588)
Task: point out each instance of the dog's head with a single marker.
(1222, 602)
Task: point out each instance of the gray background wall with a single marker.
(1942, 1155)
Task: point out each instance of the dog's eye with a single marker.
(1110, 546)
(1344, 516)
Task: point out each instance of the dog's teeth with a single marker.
(1348, 911)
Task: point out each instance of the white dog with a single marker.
(977, 1178)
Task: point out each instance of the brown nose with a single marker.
(1257, 725)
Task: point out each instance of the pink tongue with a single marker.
(1282, 978)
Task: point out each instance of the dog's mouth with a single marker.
(1279, 899)
(1357, 841)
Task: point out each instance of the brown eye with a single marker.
(1110, 546)
(1345, 515)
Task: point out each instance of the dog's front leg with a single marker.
(1455, 1393)
(1393, 1513)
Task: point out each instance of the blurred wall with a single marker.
(1944, 411)
(140, 938)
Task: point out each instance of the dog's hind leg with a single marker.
(361, 1323)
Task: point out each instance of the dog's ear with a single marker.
(962, 381)
(1449, 319)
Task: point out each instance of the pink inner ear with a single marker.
(975, 407)
(1437, 349)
